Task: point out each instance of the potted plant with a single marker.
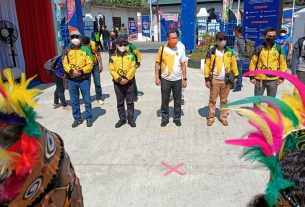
(196, 58)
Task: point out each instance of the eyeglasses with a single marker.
(123, 45)
(271, 36)
(75, 37)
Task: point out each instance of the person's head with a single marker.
(86, 41)
(270, 35)
(283, 32)
(121, 44)
(75, 38)
(293, 169)
(172, 38)
(112, 35)
(221, 40)
(123, 25)
(238, 31)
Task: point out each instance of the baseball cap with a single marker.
(75, 32)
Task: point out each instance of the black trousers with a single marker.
(59, 93)
(166, 88)
(125, 93)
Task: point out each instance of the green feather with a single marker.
(277, 181)
(31, 128)
(283, 107)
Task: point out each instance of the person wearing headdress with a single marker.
(35, 170)
(278, 143)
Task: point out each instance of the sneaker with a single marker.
(178, 123)
(132, 123)
(101, 102)
(224, 122)
(237, 89)
(164, 123)
(210, 122)
(89, 123)
(68, 107)
(77, 123)
(56, 106)
(120, 123)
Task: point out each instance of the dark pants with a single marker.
(166, 88)
(74, 88)
(125, 93)
(239, 83)
(106, 44)
(97, 81)
(301, 76)
(135, 91)
(59, 93)
(260, 87)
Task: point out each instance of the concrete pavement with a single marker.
(122, 167)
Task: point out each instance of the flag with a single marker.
(160, 11)
(227, 6)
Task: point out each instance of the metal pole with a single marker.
(238, 13)
(292, 19)
(151, 21)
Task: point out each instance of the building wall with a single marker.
(112, 12)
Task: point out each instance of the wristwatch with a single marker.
(185, 79)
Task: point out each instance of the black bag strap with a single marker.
(161, 56)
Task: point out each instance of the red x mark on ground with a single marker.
(173, 169)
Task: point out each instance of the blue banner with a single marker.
(133, 30)
(260, 14)
(145, 26)
(167, 24)
(188, 23)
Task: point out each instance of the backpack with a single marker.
(51, 64)
(301, 47)
(249, 47)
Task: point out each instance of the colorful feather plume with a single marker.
(273, 119)
(17, 106)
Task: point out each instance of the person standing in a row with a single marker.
(170, 73)
(78, 65)
(122, 67)
(220, 73)
(97, 68)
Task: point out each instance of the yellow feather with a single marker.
(252, 116)
(7, 160)
(18, 94)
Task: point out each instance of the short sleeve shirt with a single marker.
(171, 62)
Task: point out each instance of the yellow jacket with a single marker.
(133, 49)
(122, 66)
(264, 59)
(94, 50)
(229, 63)
(78, 59)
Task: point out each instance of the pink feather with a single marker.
(292, 79)
(254, 141)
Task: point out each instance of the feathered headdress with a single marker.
(277, 122)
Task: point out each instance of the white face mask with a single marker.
(75, 41)
(122, 48)
(222, 43)
(283, 34)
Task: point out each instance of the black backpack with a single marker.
(300, 44)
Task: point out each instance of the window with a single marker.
(116, 21)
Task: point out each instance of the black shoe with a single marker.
(178, 123)
(132, 123)
(135, 99)
(164, 123)
(120, 123)
(237, 89)
(77, 123)
(89, 123)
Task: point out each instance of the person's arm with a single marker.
(234, 66)
(158, 67)
(295, 56)
(132, 69)
(89, 63)
(253, 64)
(100, 61)
(283, 63)
(184, 75)
(116, 77)
(207, 69)
(241, 43)
(137, 53)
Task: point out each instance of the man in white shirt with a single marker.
(171, 75)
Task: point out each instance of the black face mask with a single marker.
(270, 41)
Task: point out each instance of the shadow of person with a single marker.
(96, 113)
(204, 112)
(136, 114)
